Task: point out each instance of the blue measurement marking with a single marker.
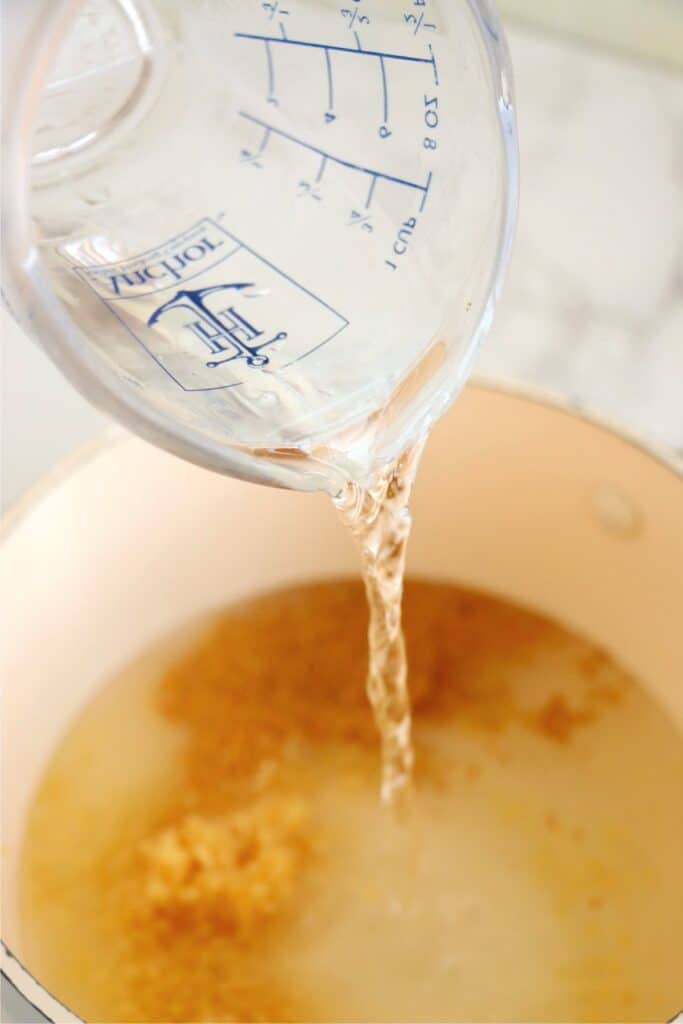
(426, 191)
(253, 158)
(358, 46)
(337, 49)
(370, 192)
(336, 159)
(271, 71)
(153, 291)
(273, 9)
(321, 169)
(385, 95)
(283, 33)
(432, 61)
(330, 89)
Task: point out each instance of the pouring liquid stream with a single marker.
(374, 507)
(378, 516)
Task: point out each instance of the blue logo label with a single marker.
(209, 310)
(225, 333)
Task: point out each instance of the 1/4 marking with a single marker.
(274, 8)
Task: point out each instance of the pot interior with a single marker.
(514, 496)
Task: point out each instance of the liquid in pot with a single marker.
(207, 842)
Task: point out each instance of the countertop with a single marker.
(593, 306)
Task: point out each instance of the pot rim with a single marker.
(65, 467)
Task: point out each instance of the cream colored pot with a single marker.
(515, 496)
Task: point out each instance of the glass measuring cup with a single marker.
(267, 235)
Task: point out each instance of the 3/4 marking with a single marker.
(363, 220)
